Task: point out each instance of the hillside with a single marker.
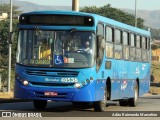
(152, 18)
(28, 6)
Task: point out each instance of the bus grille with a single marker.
(52, 84)
(52, 73)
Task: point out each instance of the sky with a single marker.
(141, 4)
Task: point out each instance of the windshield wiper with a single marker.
(38, 32)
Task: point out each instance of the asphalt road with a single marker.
(149, 104)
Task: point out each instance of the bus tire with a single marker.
(76, 103)
(39, 104)
(123, 102)
(133, 101)
(99, 106)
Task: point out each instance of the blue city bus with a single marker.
(80, 58)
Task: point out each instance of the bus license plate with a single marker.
(50, 93)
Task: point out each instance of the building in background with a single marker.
(4, 16)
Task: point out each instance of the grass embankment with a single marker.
(155, 70)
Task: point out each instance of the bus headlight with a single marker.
(25, 82)
(22, 81)
(77, 85)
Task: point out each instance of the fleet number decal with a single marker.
(66, 80)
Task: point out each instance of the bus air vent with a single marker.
(52, 73)
(52, 84)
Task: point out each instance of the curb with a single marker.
(4, 100)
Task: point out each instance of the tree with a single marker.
(4, 37)
(113, 13)
(155, 34)
(5, 8)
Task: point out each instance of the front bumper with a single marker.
(91, 92)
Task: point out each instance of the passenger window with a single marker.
(109, 50)
(100, 30)
(144, 56)
(125, 38)
(148, 43)
(125, 45)
(117, 36)
(143, 43)
(138, 39)
(132, 40)
(138, 54)
(109, 34)
(132, 53)
(118, 51)
(126, 52)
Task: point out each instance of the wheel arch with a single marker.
(137, 80)
(108, 85)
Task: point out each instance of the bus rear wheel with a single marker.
(99, 106)
(133, 101)
(39, 104)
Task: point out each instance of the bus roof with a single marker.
(97, 19)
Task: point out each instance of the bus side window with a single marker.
(117, 45)
(138, 48)
(144, 49)
(125, 45)
(109, 42)
(148, 49)
(100, 29)
(132, 46)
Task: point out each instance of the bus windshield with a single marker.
(56, 48)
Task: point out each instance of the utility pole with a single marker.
(135, 13)
(10, 48)
(75, 5)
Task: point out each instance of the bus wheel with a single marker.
(39, 104)
(76, 103)
(123, 102)
(99, 106)
(133, 101)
